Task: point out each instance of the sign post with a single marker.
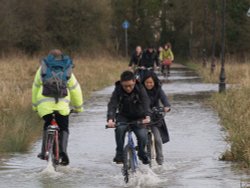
(125, 26)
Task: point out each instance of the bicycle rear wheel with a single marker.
(128, 162)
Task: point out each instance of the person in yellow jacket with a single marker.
(60, 108)
(166, 57)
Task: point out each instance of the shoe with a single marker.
(41, 156)
(118, 160)
(64, 159)
(145, 160)
(63, 142)
(159, 162)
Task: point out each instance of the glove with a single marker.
(34, 108)
(77, 110)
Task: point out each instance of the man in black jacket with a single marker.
(129, 102)
(135, 58)
(149, 61)
(149, 58)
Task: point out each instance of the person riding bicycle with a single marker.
(148, 61)
(57, 107)
(166, 57)
(156, 94)
(135, 58)
(129, 103)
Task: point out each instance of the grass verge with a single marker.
(233, 108)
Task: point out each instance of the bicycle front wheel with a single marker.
(128, 162)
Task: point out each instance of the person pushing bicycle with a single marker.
(129, 103)
(55, 91)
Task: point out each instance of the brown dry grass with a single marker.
(233, 108)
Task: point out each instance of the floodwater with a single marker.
(191, 157)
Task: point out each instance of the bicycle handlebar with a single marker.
(136, 123)
(157, 114)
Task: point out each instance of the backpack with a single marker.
(55, 74)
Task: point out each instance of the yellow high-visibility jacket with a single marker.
(46, 105)
(166, 54)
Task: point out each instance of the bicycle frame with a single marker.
(132, 147)
(130, 161)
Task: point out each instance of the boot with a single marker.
(42, 154)
(63, 142)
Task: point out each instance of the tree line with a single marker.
(192, 26)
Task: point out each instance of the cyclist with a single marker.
(166, 57)
(149, 60)
(156, 94)
(60, 107)
(129, 102)
(135, 58)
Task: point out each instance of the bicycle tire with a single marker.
(50, 148)
(128, 162)
(53, 150)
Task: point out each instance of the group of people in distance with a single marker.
(133, 99)
(151, 58)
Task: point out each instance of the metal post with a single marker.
(222, 84)
(125, 26)
(126, 42)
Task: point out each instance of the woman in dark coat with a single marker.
(156, 94)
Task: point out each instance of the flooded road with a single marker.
(191, 156)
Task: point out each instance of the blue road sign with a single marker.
(125, 24)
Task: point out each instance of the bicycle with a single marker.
(52, 144)
(52, 148)
(141, 71)
(130, 159)
(165, 67)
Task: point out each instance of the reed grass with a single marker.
(19, 125)
(233, 108)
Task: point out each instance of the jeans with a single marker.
(158, 144)
(141, 134)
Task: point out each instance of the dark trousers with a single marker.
(62, 121)
(167, 67)
(141, 135)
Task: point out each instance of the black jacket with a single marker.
(135, 59)
(149, 59)
(132, 106)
